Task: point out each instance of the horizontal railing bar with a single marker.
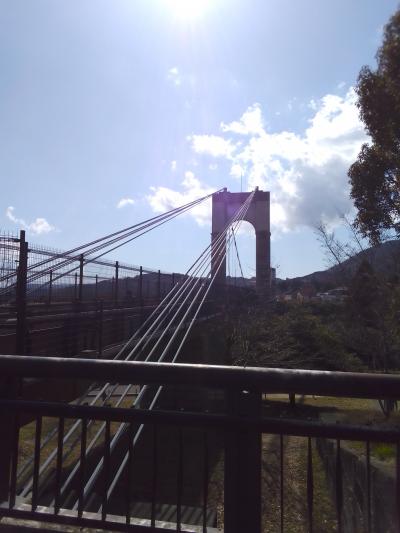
(268, 380)
(298, 428)
(103, 262)
(56, 317)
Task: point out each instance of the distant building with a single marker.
(334, 295)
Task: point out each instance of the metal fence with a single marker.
(52, 302)
(240, 424)
(55, 276)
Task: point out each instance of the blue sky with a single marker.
(154, 102)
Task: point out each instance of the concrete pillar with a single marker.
(224, 206)
(263, 260)
(217, 252)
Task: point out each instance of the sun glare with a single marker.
(188, 9)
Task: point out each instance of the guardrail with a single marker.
(241, 424)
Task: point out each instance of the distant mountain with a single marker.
(384, 258)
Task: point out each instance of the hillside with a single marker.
(384, 258)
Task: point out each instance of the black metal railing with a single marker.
(240, 426)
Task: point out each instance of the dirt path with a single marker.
(294, 489)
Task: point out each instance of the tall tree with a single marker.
(375, 176)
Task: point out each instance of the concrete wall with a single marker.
(206, 345)
(354, 474)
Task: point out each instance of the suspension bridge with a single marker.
(136, 445)
(162, 325)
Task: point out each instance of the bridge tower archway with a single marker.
(224, 206)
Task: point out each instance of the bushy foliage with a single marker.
(362, 333)
(372, 319)
(293, 336)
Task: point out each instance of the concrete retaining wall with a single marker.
(354, 475)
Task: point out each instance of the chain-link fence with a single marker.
(55, 303)
(53, 276)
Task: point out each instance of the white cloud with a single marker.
(163, 199)
(313, 104)
(40, 225)
(124, 202)
(10, 215)
(306, 172)
(213, 145)
(174, 76)
(37, 227)
(173, 166)
(250, 123)
(237, 170)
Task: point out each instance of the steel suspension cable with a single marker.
(124, 461)
(121, 234)
(113, 443)
(164, 353)
(237, 255)
(141, 229)
(103, 390)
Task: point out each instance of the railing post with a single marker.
(76, 286)
(80, 277)
(50, 286)
(21, 329)
(141, 286)
(95, 287)
(8, 389)
(76, 328)
(116, 282)
(100, 327)
(242, 506)
(141, 294)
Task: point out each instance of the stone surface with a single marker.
(354, 472)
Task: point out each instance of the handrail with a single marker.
(224, 422)
(267, 380)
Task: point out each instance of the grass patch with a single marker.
(381, 451)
